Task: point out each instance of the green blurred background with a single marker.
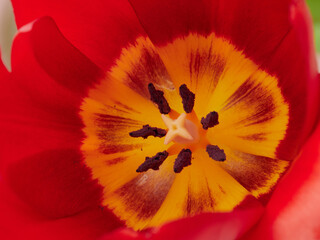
(315, 11)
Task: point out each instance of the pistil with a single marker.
(180, 130)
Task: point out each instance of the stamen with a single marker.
(153, 162)
(211, 120)
(183, 160)
(216, 153)
(187, 98)
(147, 131)
(157, 97)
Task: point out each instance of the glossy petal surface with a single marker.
(222, 226)
(98, 28)
(294, 204)
(41, 168)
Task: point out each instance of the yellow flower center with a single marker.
(202, 165)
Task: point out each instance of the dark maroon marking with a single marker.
(147, 131)
(153, 162)
(256, 95)
(150, 68)
(130, 109)
(264, 112)
(187, 98)
(206, 63)
(211, 200)
(116, 160)
(221, 189)
(112, 135)
(216, 153)
(109, 108)
(254, 172)
(110, 121)
(241, 93)
(114, 128)
(255, 137)
(193, 205)
(211, 120)
(197, 202)
(183, 160)
(157, 97)
(111, 149)
(108, 118)
(145, 193)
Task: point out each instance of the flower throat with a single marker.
(184, 130)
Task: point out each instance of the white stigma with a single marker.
(180, 130)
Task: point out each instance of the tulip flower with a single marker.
(163, 119)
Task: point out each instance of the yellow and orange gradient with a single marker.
(253, 118)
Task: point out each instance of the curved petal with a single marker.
(244, 22)
(54, 182)
(224, 226)
(41, 129)
(295, 64)
(3, 71)
(98, 28)
(39, 106)
(274, 34)
(55, 55)
(294, 204)
(19, 221)
(4, 76)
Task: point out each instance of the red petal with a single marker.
(295, 64)
(54, 182)
(4, 74)
(4, 77)
(56, 55)
(41, 130)
(40, 140)
(293, 211)
(18, 221)
(247, 23)
(206, 226)
(98, 28)
(39, 106)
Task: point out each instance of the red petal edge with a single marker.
(293, 211)
(19, 221)
(98, 28)
(207, 226)
(43, 184)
